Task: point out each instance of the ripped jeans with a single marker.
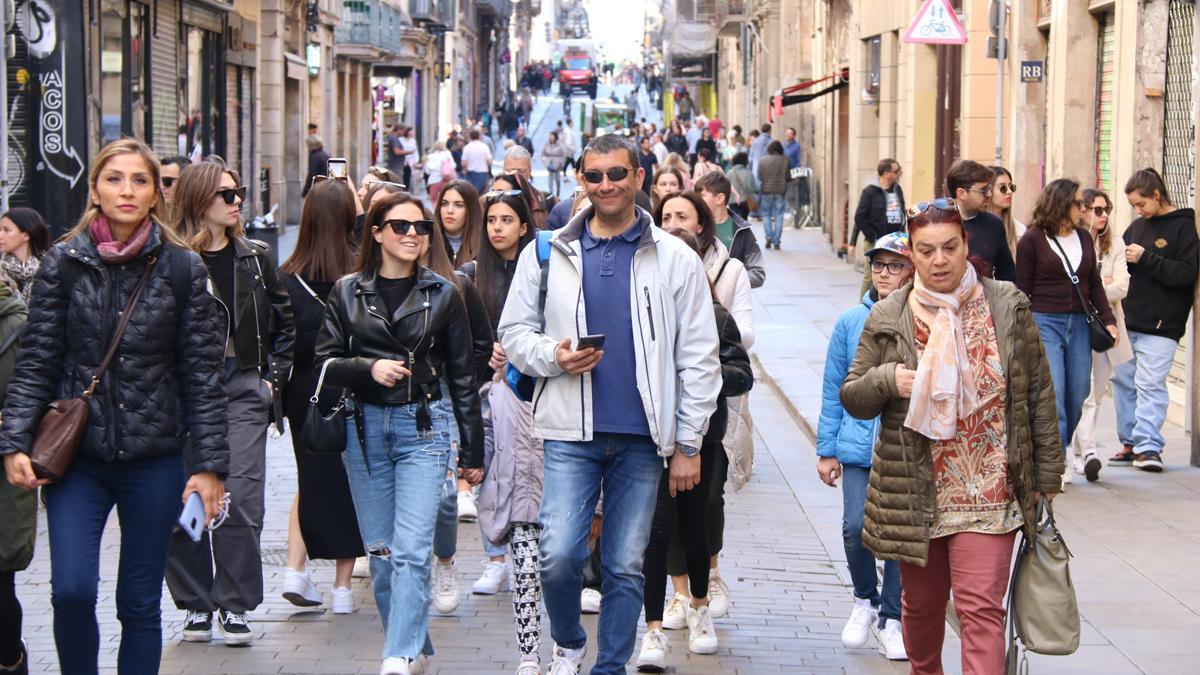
(397, 483)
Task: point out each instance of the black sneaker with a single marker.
(197, 627)
(1148, 461)
(21, 667)
(235, 628)
(1091, 468)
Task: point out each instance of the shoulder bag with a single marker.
(324, 434)
(1098, 335)
(59, 432)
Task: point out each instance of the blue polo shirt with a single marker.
(791, 150)
(607, 269)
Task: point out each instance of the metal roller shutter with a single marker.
(19, 137)
(1105, 67)
(164, 94)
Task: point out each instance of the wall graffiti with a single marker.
(36, 22)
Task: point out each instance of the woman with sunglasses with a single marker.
(157, 419)
(458, 213)
(952, 480)
(1056, 264)
(1114, 272)
(258, 357)
(1000, 204)
(393, 331)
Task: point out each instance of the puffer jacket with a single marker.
(18, 507)
(902, 496)
(430, 332)
(842, 436)
(732, 283)
(511, 492)
(163, 393)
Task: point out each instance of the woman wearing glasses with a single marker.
(1114, 272)
(258, 357)
(1057, 268)
(393, 331)
(1000, 204)
(953, 479)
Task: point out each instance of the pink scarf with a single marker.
(116, 252)
(944, 389)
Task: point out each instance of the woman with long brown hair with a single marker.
(999, 202)
(258, 357)
(458, 214)
(157, 417)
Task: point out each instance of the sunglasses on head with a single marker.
(496, 194)
(596, 176)
(168, 181)
(1101, 211)
(1007, 188)
(941, 203)
(229, 194)
(391, 185)
(422, 228)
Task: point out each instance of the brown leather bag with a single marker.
(62, 426)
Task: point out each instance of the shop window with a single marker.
(124, 71)
(201, 93)
(874, 60)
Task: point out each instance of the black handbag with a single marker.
(1098, 334)
(324, 434)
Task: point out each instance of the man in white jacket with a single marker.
(611, 417)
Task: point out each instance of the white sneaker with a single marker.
(493, 580)
(653, 656)
(589, 601)
(567, 661)
(445, 587)
(467, 512)
(702, 635)
(343, 600)
(718, 596)
(858, 626)
(299, 589)
(891, 641)
(675, 616)
(529, 668)
(362, 568)
(394, 665)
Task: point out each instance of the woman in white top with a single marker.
(438, 169)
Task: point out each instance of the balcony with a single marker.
(370, 29)
(499, 10)
(436, 16)
(729, 16)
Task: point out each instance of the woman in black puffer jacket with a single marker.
(157, 416)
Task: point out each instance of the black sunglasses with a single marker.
(229, 194)
(941, 203)
(1007, 188)
(168, 181)
(617, 173)
(422, 228)
(1101, 211)
(496, 194)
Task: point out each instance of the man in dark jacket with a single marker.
(318, 161)
(880, 210)
(734, 232)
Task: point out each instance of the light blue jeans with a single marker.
(772, 207)
(397, 482)
(628, 468)
(1140, 392)
(863, 571)
(1069, 353)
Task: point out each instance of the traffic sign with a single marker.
(936, 24)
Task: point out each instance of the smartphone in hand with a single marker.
(594, 341)
(337, 167)
(192, 517)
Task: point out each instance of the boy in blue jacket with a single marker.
(844, 446)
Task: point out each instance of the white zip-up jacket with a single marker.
(674, 334)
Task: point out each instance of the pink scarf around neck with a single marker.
(116, 252)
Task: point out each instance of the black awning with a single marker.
(793, 99)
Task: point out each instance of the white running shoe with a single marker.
(702, 635)
(495, 579)
(891, 641)
(589, 601)
(567, 661)
(394, 665)
(858, 626)
(343, 600)
(299, 589)
(675, 616)
(467, 511)
(529, 668)
(362, 568)
(653, 656)
(718, 596)
(445, 587)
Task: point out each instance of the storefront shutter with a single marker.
(1179, 140)
(1105, 67)
(164, 94)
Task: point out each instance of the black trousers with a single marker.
(10, 620)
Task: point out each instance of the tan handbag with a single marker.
(62, 426)
(1042, 610)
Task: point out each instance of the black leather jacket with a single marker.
(430, 332)
(265, 332)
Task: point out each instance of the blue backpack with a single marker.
(521, 384)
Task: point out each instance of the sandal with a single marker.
(1123, 458)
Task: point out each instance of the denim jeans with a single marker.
(860, 560)
(772, 207)
(1069, 353)
(146, 493)
(478, 179)
(1140, 391)
(627, 468)
(397, 482)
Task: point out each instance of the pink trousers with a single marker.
(975, 566)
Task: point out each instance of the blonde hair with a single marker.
(124, 146)
(197, 187)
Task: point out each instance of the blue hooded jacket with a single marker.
(839, 435)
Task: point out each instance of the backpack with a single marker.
(521, 384)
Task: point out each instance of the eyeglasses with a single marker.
(496, 194)
(422, 228)
(891, 267)
(229, 194)
(941, 203)
(1007, 188)
(617, 173)
(983, 190)
(1101, 211)
(168, 181)
(392, 185)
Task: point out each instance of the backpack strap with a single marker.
(543, 256)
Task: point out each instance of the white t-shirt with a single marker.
(476, 157)
(409, 144)
(1073, 245)
(894, 216)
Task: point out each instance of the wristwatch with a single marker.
(688, 450)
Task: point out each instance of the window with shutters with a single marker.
(1105, 87)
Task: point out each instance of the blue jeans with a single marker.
(771, 207)
(861, 561)
(397, 484)
(146, 493)
(628, 468)
(1140, 391)
(1069, 352)
(478, 179)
